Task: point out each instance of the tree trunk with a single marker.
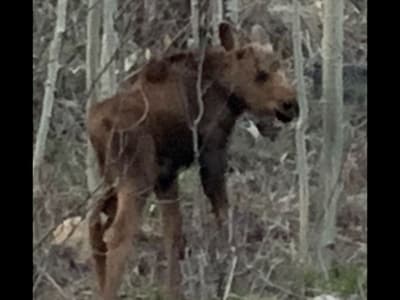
(195, 16)
(150, 9)
(332, 96)
(109, 46)
(218, 16)
(302, 167)
(92, 62)
(232, 7)
(47, 108)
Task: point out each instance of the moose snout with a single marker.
(291, 108)
(288, 110)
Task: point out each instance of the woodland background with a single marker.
(262, 178)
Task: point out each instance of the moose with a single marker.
(143, 137)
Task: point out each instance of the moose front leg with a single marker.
(212, 173)
(174, 242)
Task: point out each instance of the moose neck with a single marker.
(215, 70)
(214, 66)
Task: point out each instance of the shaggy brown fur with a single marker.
(142, 137)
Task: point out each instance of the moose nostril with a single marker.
(287, 105)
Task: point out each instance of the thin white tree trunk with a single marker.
(332, 95)
(150, 9)
(109, 45)
(195, 16)
(47, 108)
(92, 66)
(218, 16)
(232, 7)
(302, 123)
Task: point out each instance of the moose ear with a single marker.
(259, 35)
(226, 36)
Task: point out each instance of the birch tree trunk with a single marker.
(47, 108)
(332, 95)
(150, 9)
(92, 66)
(195, 18)
(109, 46)
(301, 126)
(232, 7)
(218, 16)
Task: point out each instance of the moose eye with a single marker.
(262, 76)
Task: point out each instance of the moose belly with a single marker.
(175, 150)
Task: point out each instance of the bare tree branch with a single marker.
(48, 101)
(302, 166)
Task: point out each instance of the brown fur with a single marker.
(142, 139)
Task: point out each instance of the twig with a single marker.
(203, 287)
(177, 36)
(230, 226)
(56, 285)
(37, 281)
(282, 289)
(356, 5)
(200, 103)
(272, 268)
(145, 113)
(231, 275)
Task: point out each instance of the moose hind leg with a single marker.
(96, 232)
(119, 237)
(137, 172)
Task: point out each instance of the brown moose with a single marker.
(142, 138)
